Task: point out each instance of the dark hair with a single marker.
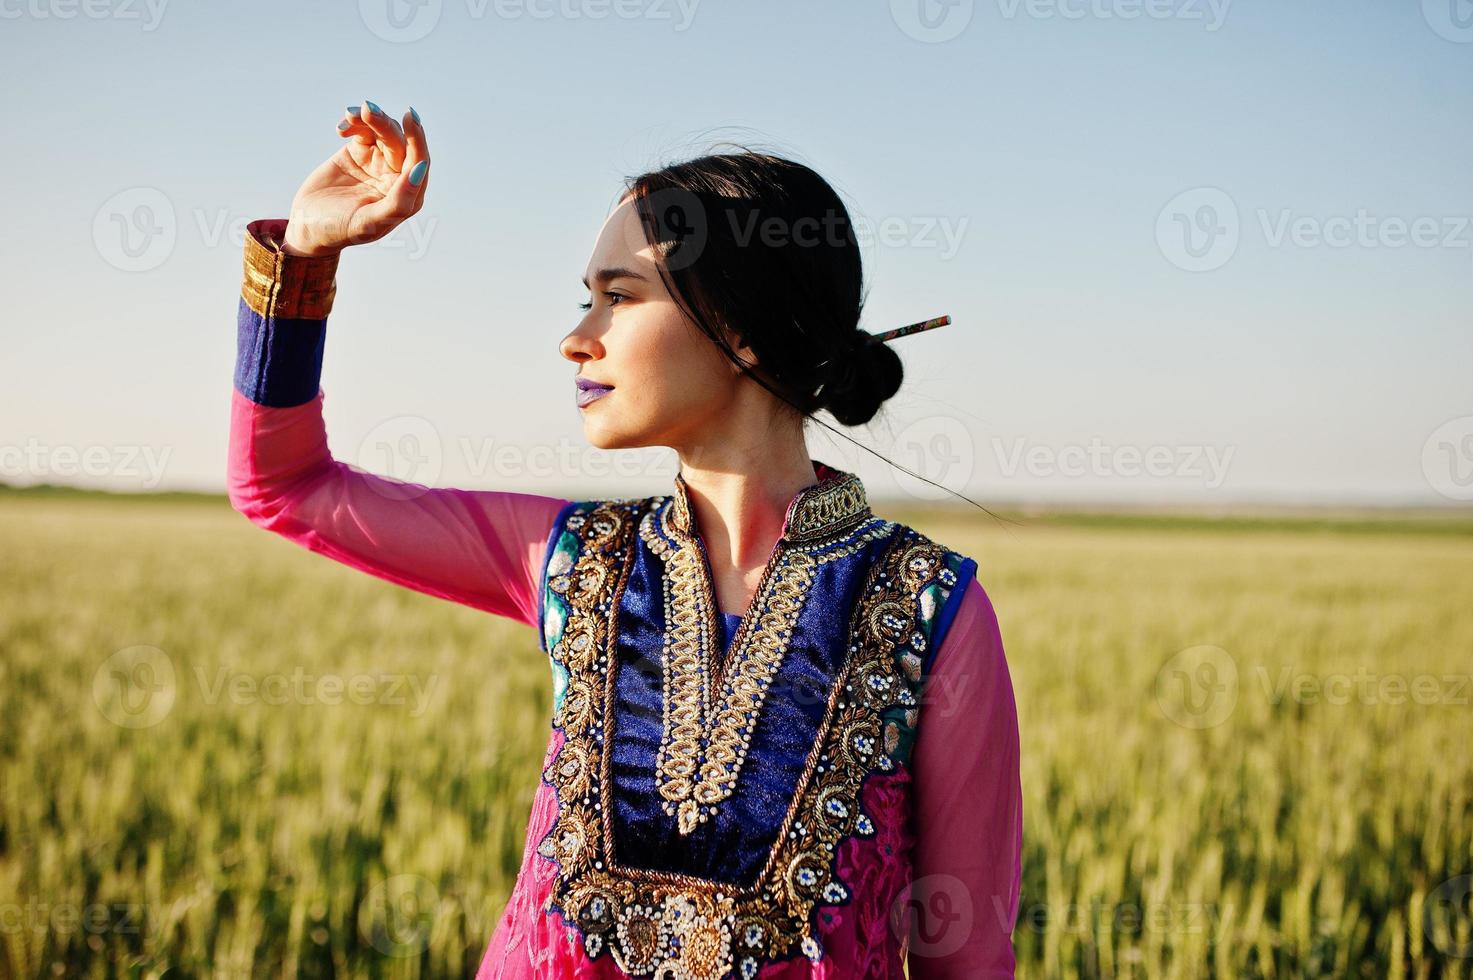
(761, 249)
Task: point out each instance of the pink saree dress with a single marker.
(913, 859)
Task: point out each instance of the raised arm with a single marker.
(968, 806)
(481, 548)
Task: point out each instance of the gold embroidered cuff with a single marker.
(285, 286)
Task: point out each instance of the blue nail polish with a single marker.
(354, 109)
(414, 114)
(418, 173)
(344, 124)
(372, 107)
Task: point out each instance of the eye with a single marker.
(612, 297)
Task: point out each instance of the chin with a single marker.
(606, 429)
(602, 436)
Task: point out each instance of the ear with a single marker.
(739, 346)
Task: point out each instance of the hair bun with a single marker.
(862, 375)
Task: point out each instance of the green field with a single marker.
(1247, 747)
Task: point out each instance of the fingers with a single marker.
(418, 151)
(424, 183)
(416, 148)
(390, 137)
(353, 127)
(401, 202)
(405, 150)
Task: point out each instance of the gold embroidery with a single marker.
(674, 925)
(825, 508)
(694, 796)
(692, 780)
(275, 284)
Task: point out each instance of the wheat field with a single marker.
(1247, 748)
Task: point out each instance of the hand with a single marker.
(362, 192)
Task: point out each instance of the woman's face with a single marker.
(670, 382)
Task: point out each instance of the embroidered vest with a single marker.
(701, 796)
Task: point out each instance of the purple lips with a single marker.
(589, 391)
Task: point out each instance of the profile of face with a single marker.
(671, 384)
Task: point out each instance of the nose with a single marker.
(579, 346)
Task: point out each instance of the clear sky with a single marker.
(1194, 250)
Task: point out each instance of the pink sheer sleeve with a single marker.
(967, 806)
(480, 548)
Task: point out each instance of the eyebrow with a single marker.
(617, 272)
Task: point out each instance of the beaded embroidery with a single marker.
(666, 924)
(694, 780)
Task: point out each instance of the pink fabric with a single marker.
(962, 841)
(862, 941)
(480, 548)
(968, 805)
(944, 885)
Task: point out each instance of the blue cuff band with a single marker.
(278, 362)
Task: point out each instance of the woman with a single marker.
(739, 778)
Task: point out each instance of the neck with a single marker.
(739, 504)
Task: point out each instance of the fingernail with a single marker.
(372, 107)
(355, 110)
(414, 114)
(344, 124)
(417, 174)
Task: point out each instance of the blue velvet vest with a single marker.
(703, 792)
